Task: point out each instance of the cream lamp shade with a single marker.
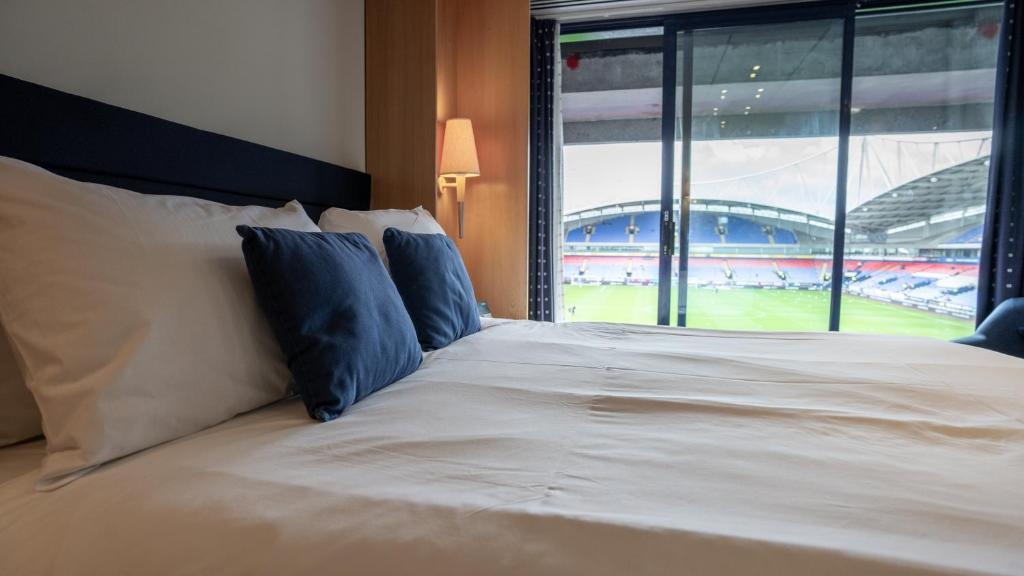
(458, 161)
(458, 154)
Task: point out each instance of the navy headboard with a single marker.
(96, 142)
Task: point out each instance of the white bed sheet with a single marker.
(21, 459)
(580, 449)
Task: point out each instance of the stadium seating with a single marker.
(745, 251)
(784, 236)
(706, 275)
(926, 291)
(754, 272)
(971, 236)
(576, 235)
(647, 225)
(968, 298)
(801, 272)
(703, 229)
(613, 269)
(611, 230)
(917, 281)
(743, 231)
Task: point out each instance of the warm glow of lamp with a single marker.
(458, 160)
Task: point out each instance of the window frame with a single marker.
(685, 23)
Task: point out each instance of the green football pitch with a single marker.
(753, 309)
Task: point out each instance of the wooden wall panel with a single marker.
(430, 60)
(446, 209)
(493, 79)
(400, 102)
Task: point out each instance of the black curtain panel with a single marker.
(542, 154)
(1002, 253)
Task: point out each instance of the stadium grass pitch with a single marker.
(752, 309)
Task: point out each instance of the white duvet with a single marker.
(580, 449)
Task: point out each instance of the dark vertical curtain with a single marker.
(542, 154)
(1002, 253)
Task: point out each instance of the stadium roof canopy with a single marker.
(956, 192)
(792, 174)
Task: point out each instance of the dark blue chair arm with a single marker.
(1002, 331)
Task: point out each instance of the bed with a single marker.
(537, 448)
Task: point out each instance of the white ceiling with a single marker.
(811, 95)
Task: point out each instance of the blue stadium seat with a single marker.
(743, 231)
(968, 298)
(706, 274)
(648, 227)
(784, 236)
(612, 230)
(927, 292)
(702, 228)
(575, 235)
(802, 275)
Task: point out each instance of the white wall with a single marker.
(284, 73)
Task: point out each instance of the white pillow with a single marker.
(133, 315)
(373, 223)
(19, 416)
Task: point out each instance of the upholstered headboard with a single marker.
(96, 142)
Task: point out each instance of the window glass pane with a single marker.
(764, 169)
(611, 127)
(919, 153)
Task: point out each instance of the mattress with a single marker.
(535, 448)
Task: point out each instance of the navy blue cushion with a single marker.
(335, 313)
(430, 276)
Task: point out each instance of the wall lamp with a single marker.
(458, 160)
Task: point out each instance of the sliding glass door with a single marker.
(757, 111)
(800, 168)
(611, 112)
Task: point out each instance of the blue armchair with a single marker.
(1002, 331)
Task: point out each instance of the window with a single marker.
(763, 158)
(918, 179)
(714, 204)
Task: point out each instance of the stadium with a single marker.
(912, 246)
